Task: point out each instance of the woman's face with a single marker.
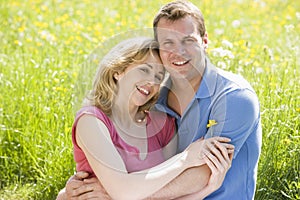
(140, 82)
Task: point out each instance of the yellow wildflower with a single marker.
(211, 123)
(17, 42)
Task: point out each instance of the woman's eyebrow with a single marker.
(150, 66)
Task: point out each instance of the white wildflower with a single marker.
(219, 31)
(259, 70)
(289, 28)
(227, 44)
(298, 15)
(222, 65)
(236, 23)
(220, 52)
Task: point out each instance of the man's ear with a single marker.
(205, 40)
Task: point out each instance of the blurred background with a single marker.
(49, 51)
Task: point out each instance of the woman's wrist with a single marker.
(62, 195)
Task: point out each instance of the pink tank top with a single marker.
(160, 130)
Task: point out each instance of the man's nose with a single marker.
(179, 49)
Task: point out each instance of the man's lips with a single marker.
(180, 63)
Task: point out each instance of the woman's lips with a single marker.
(143, 90)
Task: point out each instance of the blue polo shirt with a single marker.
(230, 101)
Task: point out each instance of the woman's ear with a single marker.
(116, 76)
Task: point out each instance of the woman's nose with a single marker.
(153, 80)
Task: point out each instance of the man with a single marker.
(206, 102)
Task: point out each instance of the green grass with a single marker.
(44, 51)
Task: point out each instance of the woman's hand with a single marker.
(219, 163)
(218, 157)
(200, 149)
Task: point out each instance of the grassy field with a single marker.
(45, 45)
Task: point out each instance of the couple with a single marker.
(138, 152)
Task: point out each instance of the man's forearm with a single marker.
(190, 181)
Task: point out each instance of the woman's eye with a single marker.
(158, 78)
(144, 70)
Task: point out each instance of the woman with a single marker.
(118, 139)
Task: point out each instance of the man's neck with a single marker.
(182, 93)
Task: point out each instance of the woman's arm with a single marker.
(219, 165)
(93, 137)
(170, 149)
(199, 182)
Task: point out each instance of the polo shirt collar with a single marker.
(209, 80)
(207, 86)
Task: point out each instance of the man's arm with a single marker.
(198, 182)
(190, 181)
(237, 114)
(79, 187)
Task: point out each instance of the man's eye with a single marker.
(189, 40)
(167, 43)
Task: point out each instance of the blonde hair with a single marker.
(124, 54)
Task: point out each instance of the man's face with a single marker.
(181, 48)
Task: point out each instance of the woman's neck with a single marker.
(131, 127)
(127, 118)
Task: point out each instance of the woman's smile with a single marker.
(143, 89)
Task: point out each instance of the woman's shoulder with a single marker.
(159, 120)
(161, 126)
(158, 116)
(89, 110)
(93, 111)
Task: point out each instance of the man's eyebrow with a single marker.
(188, 36)
(166, 39)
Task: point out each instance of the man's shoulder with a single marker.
(218, 82)
(227, 81)
(231, 79)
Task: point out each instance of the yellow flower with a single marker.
(17, 42)
(286, 141)
(211, 123)
(56, 80)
